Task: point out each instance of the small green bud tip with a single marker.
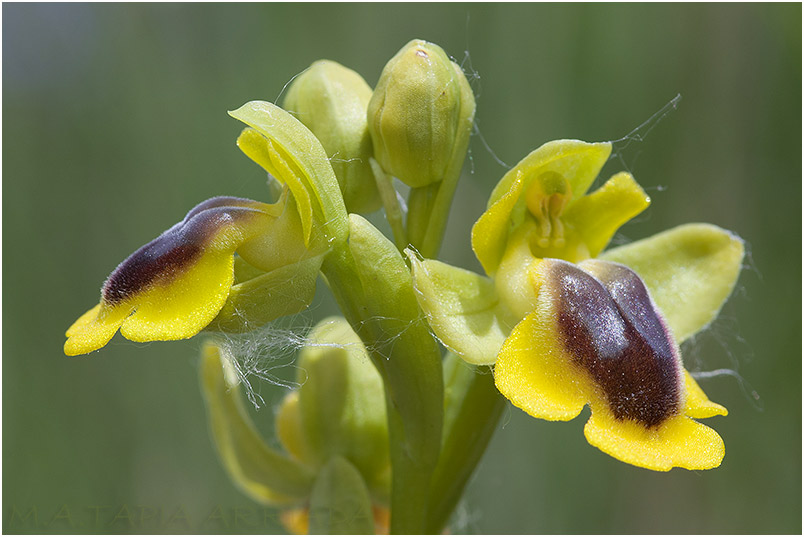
(331, 100)
(421, 111)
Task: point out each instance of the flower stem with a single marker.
(420, 209)
(393, 212)
(373, 286)
(473, 407)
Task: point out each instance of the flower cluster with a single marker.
(383, 425)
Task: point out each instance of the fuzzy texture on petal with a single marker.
(595, 337)
(679, 441)
(172, 287)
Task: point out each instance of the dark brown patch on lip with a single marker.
(611, 329)
(174, 250)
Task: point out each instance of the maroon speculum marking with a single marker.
(174, 250)
(611, 329)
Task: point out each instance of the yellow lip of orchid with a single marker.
(172, 287)
(595, 337)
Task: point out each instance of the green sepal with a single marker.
(340, 502)
(294, 156)
(331, 100)
(690, 271)
(267, 476)
(342, 402)
(576, 161)
(462, 308)
(259, 297)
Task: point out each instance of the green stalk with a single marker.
(473, 407)
(393, 212)
(373, 286)
(443, 198)
(420, 207)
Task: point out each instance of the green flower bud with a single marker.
(340, 408)
(331, 100)
(420, 114)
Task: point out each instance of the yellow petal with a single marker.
(572, 163)
(698, 404)
(595, 338)
(172, 287)
(578, 162)
(679, 441)
(303, 158)
(183, 306)
(598, 216)
(262, 151)
(95, 328)
(490, 232)
(536, 375)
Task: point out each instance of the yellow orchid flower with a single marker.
(596, 337)
(548, 325)
(189, 277)
(177, 284)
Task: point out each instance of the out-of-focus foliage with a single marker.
(114, 122)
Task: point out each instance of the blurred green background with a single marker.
(114, 125)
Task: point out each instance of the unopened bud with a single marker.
(340, 407)
(420, 113)
(331, 100)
